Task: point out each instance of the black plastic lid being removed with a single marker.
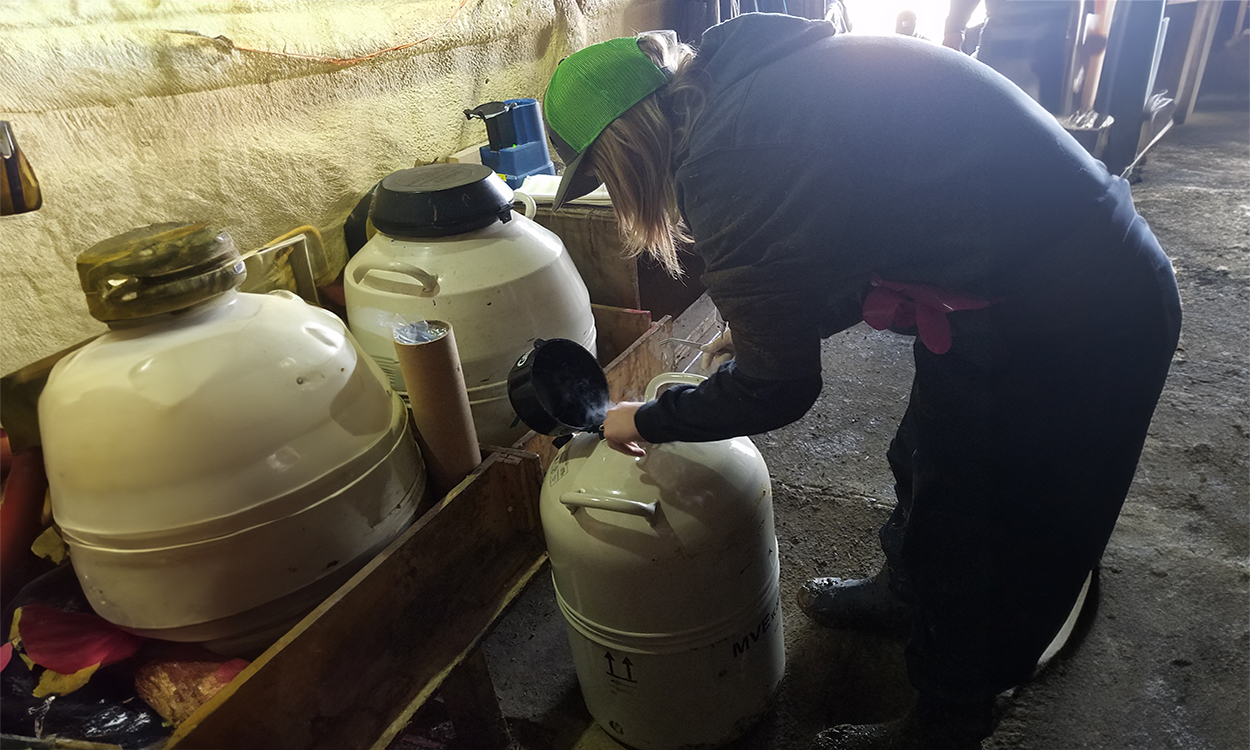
(558, 388)
(438, 200)
(158, 269)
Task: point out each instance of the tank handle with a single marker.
(531, 206)
(671, 378)
(403, 279)
(575, 500)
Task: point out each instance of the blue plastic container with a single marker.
(517, 141)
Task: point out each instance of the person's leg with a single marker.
(1013, 508)
(945, 719)
(939, 542)
(870, 604)
(1023, 450)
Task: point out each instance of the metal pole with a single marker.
(1122, 92)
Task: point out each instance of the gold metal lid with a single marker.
(158, 269)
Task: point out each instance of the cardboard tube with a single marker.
(440, 404)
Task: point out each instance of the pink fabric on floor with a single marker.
(67, 642)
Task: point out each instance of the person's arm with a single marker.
(771, 275)
(728, 404)
(957, 20)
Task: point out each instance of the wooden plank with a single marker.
(629, 373)
(469, 695)
(592, 236)
(1104, 13)
(352, 673)
(1202, 34)
(617, 329)
(704, 327)
(509, 594)
(52, 743)
(1072, 60)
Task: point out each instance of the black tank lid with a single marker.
(439, 200)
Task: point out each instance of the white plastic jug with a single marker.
(219, 462)
(450, 247)
(666, 571)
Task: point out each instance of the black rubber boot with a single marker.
(864, 604)
(930, 725)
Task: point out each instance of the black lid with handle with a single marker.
(557, 388)
(440, 200)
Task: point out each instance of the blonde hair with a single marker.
(637, 155)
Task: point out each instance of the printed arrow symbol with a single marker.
(629, 671)
(611, 662)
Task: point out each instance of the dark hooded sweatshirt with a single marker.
(823, 161)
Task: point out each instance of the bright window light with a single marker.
(878, 16)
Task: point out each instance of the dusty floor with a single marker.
(1164, 663)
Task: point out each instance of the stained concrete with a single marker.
(1163, 662)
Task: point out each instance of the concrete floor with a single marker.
(1164, 662)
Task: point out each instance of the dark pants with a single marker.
(1012, 461)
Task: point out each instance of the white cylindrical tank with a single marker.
(666, 571)
(450, 247)
(218, 461)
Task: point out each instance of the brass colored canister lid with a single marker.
(158, 269)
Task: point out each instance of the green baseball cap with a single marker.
(591, 88)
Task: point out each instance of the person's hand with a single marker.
(954, 40)
(717, 352)
(619, 429)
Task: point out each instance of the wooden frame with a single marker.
(593, 240)
(353, 672)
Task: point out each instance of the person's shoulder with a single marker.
(753, 40)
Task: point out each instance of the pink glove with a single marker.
(896, 305)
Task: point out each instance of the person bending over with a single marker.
(827, 179)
